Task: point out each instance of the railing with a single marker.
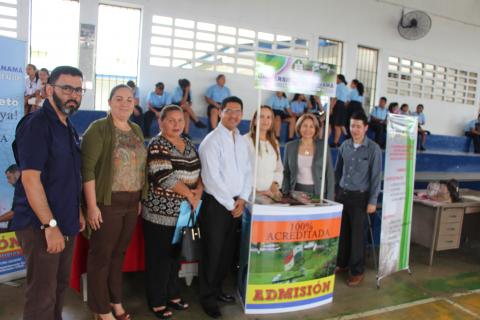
(104, 83)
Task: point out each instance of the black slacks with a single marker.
(218, 247)
(162, 262)
(351, 248)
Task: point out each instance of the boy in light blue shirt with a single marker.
(156, 100)
(472, 130)
(421, 122)
(214, 97)
(378, 121)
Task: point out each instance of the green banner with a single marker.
(399, 176)
(295, 75)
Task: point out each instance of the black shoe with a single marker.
(200, 124)
(226, 298)
(213, 312)
(422, 148)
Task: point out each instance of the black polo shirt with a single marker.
(45, 144)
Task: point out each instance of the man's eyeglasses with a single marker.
(232, 112)
(66, 89)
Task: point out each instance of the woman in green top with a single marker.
(113, 172)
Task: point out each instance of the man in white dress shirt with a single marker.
(226, 174)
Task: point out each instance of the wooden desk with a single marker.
(438, 225)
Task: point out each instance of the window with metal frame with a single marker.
(366, 73)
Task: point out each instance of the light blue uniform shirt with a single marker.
(471, 125)
(298, 107)
(379, 113)
(217, 93)
(159, 101)
(178, 94)
(354, 96)
(341, 92)
(278, 103)
(421, 118)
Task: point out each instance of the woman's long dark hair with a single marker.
(341, 77)
(270, 132)
(359, 87)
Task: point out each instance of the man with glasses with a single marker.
(226, 175)
(47, 198)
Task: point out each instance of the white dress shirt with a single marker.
(226, 167)
(270, 168)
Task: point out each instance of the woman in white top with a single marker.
(270, 168)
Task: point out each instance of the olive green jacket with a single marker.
(98, 144)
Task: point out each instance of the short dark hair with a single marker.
(159, 84)
(167, 109)
(221, 75)
(404, 105)
(421, 106)
(360, 115)
(116, 88)
(12, 169)
(232, 99)
(58, 71)
(384, 99)
(131, 83)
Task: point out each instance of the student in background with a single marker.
(137, 115)
(156, 100)
(472, 130)
(32, 86)
(214, 97)
(41, 95)
(393, 108)
(421, 122)
(280, 105)
(355, 103)
(182, 96)
(404, 110)
(339, 114)
(378, 121)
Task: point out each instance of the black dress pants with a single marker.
(351, 248)
(217, 226)
(162, 263)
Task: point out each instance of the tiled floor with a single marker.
(447, 290)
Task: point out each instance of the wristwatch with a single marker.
(51, 224)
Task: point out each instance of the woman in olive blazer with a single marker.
(303, 161)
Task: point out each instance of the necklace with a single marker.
(306, 149)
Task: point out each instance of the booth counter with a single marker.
(288, 257)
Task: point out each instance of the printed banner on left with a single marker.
(12, 87)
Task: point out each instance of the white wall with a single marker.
(453, 41)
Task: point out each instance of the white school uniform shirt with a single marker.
(32, 85)
(269, 169)
(226, 167)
